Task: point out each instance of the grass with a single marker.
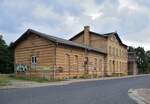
(35, 79)
(4, 80)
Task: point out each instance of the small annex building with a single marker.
(94, 54)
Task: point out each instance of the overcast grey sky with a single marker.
(65, 18)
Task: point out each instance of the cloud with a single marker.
(137, 44)
(141, 36)
(128, 4)
(65, 18)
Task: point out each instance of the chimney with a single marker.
(87, 35)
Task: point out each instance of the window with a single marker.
(110, 66)
(100, 64)
(117, 66)
(114, 66)
(75, 59)
(76, 62)
(33, 60)
(95, 63)
(116, 51)
(121, 52)
(120, 66)
(110, 50)
(67, 61)
(86, 60)
(113, 51)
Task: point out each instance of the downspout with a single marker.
(54, 68)
(15, 69)
(55, 52)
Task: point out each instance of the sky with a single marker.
(65, 18)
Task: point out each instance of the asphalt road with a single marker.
(113, 91)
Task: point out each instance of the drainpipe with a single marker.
(15, 68)
(86, 59)
(54, 67)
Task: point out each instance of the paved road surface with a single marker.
(113, 91)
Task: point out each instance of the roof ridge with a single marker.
(104, 33)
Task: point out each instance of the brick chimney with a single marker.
(87, 35)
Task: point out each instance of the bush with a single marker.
(118, 74)
(75, 77)
(95, 76)
(85, 76)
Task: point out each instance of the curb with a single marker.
(70, 82)
(133, 94)
(106, 78)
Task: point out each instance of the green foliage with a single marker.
(143, 59)
(6, 57)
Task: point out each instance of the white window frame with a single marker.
(34, 60)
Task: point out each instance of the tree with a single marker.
(143, 58)
(148, 60)
(140, 52)
(131, 49)
(6, 57)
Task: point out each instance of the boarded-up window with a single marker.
(110, 50)
(95, 63)
(76, 62)
(67, 61)
(86, 59)
(113, 66)
(110, 66)
(100, 64)
(114, 51)
(117, 66)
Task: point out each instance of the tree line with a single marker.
(7, 57)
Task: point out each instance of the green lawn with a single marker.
(36, 79)
(4, 80)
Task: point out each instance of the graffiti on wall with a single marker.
(21, 67)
